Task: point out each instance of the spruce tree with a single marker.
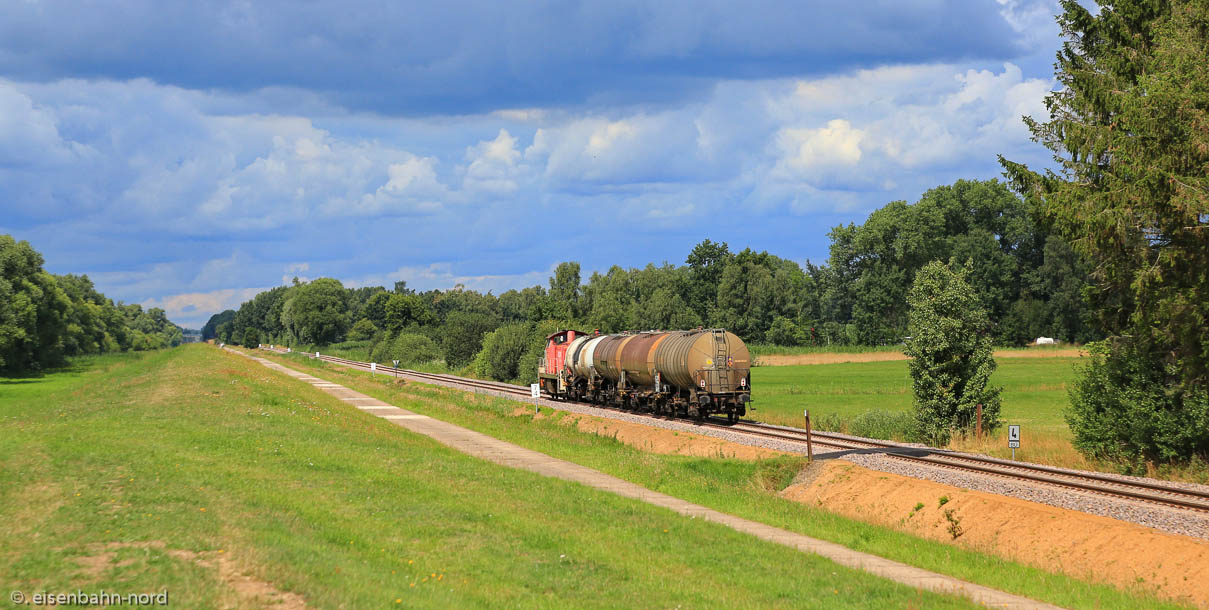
(1129, 129)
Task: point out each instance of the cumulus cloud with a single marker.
(231, 187)
(441, 276)
(29, 134)
(837, 143)
(494, 165)
(193, 309)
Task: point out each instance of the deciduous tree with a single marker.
(951, 354)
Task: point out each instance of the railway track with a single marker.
(1090, 482)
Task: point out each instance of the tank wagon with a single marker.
(682, 373)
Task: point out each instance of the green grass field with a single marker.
(764, 349)
(746, 489)
(1035, 395)
(180, 470)
(1034, 391)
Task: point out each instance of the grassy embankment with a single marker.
(747, 489)
(1035, 394)
(183, 469)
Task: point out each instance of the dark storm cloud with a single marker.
(471, 56)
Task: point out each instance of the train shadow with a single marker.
(907, 451)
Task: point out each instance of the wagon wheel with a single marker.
(731, 417)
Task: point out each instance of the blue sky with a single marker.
(189, 155)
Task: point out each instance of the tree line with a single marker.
(47, 318)
(1031, 283)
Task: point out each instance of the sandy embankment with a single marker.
(1088, 547)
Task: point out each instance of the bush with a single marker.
(502, 350)
(362, 330)
(251, 339)
(462, 336)
(885, 425)
(408, 349)
(783, 332)
(951, 353)
(1127, 405)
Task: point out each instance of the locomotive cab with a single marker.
(551, 370)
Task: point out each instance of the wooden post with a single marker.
(809, 444)
(978, 424)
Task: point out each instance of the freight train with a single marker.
(691, 373)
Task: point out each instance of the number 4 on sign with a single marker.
(1014, 439)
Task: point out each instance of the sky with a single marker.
(189, 155)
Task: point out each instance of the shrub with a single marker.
(885, 425)
(951, 353)
(502, 351)
(462, 336)
(362, 330)
(408, 349)
(1125, 405)
(783, 332)
(251, 339)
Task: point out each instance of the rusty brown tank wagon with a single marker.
(682, 373)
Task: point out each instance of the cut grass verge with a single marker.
(226, 484)
(746, 489)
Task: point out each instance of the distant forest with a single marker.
(1031, 283)
(47, 318)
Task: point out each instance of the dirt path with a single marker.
(835, 358)
(1085, 546)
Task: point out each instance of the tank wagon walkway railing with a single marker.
(515, 456)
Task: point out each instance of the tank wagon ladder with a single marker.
(722, 359)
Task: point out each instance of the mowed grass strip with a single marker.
(181, 470)
(747, 489)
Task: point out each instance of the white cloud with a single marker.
(640, 148)
(493, 165)
(154, 171)
(295, 270)
(442, 276)
(836, 144)
(29, 133)
(193, 309)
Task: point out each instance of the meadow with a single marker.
(205, 475)
(874, 399)
(1034, 391)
